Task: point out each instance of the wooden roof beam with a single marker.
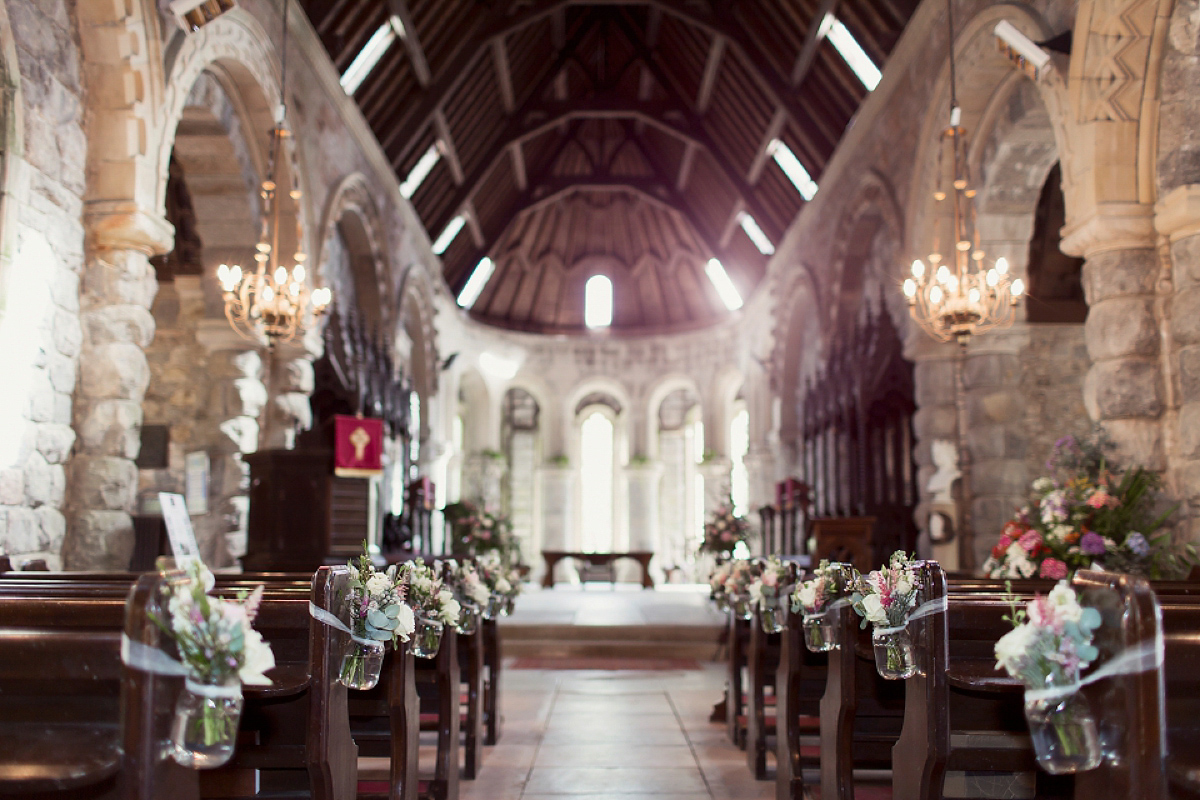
(503, 74)
(405, 129)
(517, 156)
(764, 149)
(812, 42)
(412, 42)
(448, 148)
(712, 66)
(685, 166)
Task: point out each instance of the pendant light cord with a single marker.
(950, 27)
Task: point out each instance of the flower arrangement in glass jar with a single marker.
(724, 531)
(767, 591)
(812, 599)
(503, 581)
(476, 531)
(737, 587)
(1050, 643)
(716, 584)
(220, 651)
(470, 591)
(378, 615)
(1085, 514)
(884, 598)
(433, 605)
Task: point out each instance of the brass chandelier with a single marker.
(272, 300)
(957, 297)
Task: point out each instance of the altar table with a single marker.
(552, 558)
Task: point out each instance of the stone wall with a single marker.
(40, 333)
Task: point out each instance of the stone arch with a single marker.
(12, 144)
(798, 343)
(352, 214)
(659, 391)
(872, 221)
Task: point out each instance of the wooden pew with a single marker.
(800, 679)
(738, 641)
(385, 722)
(438, 687)
(762, 664)
(302, 719)
(470, 665)
(489, 632)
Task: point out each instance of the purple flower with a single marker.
(1092, 543)
(1137, 544)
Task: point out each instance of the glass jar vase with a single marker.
(510, 605)
(722, 602)
(772, 615)
(742, 607)
(894, 659)
(820, 634)
(495, 605)
(468, 618)
(204, 731)
(427, 638)
(1065, 735)
(361, 664)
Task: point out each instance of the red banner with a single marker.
(358, 447)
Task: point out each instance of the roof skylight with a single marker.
(420, 171)
(476, 283)
(598, 302)
(794, 170)
(720, 280)
(448, 233)
(379, 43)
(851, 51)
(750, 226)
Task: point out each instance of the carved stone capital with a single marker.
(122, 225)
(1178, 214)
(1110, 226)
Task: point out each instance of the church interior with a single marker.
(534, 399)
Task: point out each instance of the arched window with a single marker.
(739, 477)
(596, 472)
(598, 302)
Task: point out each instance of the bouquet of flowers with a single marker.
(1051, 640)
(884, 598)
(502, 580)
(766, 590)
(1083, 515)
(376, 603)
(477, 531)
(723, 532)
(470, 591)
(813, 596)
(716, 584)
(220, 651)
(428, 594)
(1050, 643)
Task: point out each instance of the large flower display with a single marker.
(723, 532)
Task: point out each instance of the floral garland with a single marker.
(724, 531)
(1084, 515)
(1051, 640)
(885, 596)
(428, 595)
(376, 603)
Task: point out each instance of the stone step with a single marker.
(598, 641)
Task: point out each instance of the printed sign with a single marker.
(179, 529)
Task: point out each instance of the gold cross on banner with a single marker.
(360, 439)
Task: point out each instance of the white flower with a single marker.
(257, 660)
(503, 586)
(1043, 485)
(407, 622)
(904, 584)
(422, 584)
(377, 584)
(1064, 602)
(756, 592)
(1012, 647)
(449, 607)
(479, 593)
(807, 594)
(874, 609)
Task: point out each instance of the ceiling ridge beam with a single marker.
(412, 43)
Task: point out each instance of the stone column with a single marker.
(558, 515)
(1124, 387)
(1177, 217)
(643, 481)
(236, 398)
(674, 544)
(291, 386)
(117, 290)
(716, 483)
(933, 375)
(523, 494)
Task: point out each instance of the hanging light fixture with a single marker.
(272, 300)
(956, 297)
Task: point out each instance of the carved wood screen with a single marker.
(857, 440)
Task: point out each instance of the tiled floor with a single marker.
(586, 735)
(624, 604)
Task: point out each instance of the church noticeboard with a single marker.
(358, 447)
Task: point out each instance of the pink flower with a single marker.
(726, 536)
(1098, 499)
(770, 579)
(1030, 540)
(1053, 569)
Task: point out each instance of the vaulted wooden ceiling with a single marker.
(625, 138)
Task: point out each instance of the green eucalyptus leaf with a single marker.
(377, 618)
(392, 611)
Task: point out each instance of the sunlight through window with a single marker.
(851, 51)
(375, 48)
(598, 302)
(720, 280)
(476, 283)
(795, 171)
(452, 228)
(596, 472)
(420, 171)
(756, 234)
